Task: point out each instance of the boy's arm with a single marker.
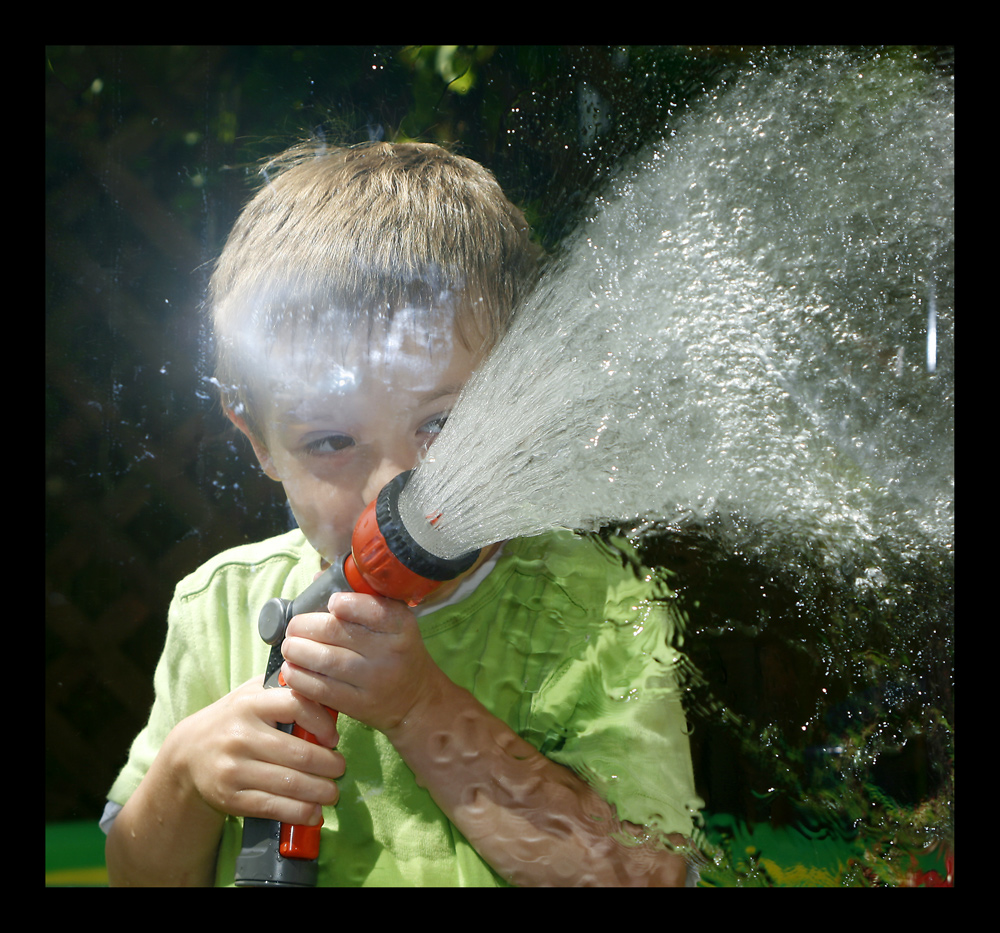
(165, 835)
(225, 758)
(533, 820)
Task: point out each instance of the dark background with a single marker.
(150, 153)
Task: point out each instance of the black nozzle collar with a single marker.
(406, 550)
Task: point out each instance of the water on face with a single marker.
(746, 351)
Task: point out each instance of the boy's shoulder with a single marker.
(266, 564)
(574, 553)
(589, 568)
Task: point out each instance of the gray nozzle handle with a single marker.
(260, 863)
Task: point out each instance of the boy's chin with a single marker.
(328, 553)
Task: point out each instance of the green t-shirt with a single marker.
(560, 641)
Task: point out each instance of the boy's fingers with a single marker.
(282, 705)
(287, 796)
(377, 614)
(345, 611)
(316, 626)
(320, 723)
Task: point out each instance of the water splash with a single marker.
(739, 329)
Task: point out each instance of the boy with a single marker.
(520, 727)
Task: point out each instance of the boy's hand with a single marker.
(239, 763)
(364, 657)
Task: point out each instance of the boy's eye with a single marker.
(329, 443)
(435, 425)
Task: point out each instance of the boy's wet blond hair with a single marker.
(338, 240)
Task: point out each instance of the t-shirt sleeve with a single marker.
(183, 684)
(211, 644)
(612, 712)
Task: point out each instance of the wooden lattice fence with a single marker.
(143, 478)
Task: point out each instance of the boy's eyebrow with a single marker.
(305, 410)
(439, 392)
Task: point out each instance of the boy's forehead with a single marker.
(407, 355)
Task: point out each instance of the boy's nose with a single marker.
(388, 469)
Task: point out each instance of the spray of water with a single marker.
(756, 320)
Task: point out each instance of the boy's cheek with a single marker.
(323, 514)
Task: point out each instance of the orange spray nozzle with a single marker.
(386, 560)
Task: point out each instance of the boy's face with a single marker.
(362, 417)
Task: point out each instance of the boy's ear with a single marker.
(263, 457)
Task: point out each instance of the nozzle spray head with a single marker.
(389, 561)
